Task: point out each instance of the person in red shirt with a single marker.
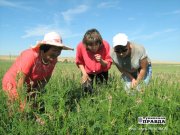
(93, 59)
(33, 68)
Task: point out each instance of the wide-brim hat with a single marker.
(120, 39)
(54, 39)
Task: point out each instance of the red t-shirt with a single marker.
(29, 63)
(86, 58)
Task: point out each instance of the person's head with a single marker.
(121, 44)
(92, 40)
(50, 51)
(51, 46)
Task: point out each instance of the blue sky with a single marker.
(155, 24)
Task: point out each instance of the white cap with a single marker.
(120, 39)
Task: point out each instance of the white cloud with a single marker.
(154, 34)
(40, 30)
(108, 4)
(37, 31)
(20, 5)
(9, 4)
(169, 30)
(70, 13)
(175, 12)
(131, 18)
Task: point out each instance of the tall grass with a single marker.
(109, 110)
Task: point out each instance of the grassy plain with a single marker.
(110, 110)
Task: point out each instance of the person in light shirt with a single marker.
(132, 61)
(32, 69)
(93, 59)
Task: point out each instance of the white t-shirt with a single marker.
(131, 63)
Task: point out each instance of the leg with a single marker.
(127, 82)
(88, 85)
(148, 74)
(92, 78)
(102, 78)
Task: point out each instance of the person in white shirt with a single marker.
(132, 61)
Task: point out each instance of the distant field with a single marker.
(72, 59)
(110, 110)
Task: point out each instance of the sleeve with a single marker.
(79, 56)
(108, 57)
(25, 62)
(143, 53)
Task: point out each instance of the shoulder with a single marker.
(138, 51)
(29, 53)
(80, 45)
(105, 43)
(137, 47)
(113, 54)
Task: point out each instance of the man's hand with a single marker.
(134, 83)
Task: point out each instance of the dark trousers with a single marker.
(100, 78)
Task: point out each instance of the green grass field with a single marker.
(110, 110)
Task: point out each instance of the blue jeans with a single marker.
(146, 79)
